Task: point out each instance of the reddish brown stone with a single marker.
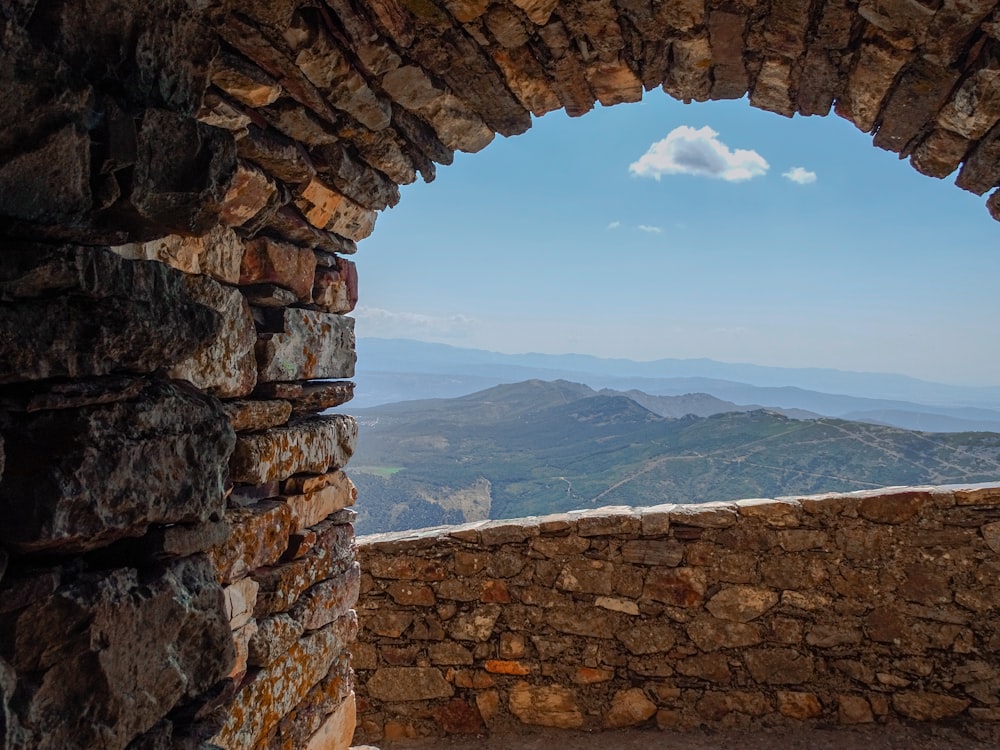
(266, 260)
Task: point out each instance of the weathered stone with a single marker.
(779, 666)
(135, 317)
(628, 708)
(275, 635)
(925, 706)
(712, 667)
(311, 508)
(338, 729)
(118, 644)
(224, 365)
(587, 622)
(647, 638)
(245, 82)
(308, 345)
(408, 684)
(869, 83)
(183, 172)
(991, 535)
(680, 587)
(258, 537)
(741, 603)
(326, 601)
(476, 625)
(335, 289)
(550, 706)
(253, 416)
(217, 254)
(587, 576)
(282, 585)
(240, 599)
(800, 706)
(269, 261)
(705, 515)
(86, 470)
(893, 508)
(665, 552)
(275, 690)
(710, 634)
(316, 446)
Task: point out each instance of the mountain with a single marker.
(393, 370)
(541, 447)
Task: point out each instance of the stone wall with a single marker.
(831, 609)
(181, 184)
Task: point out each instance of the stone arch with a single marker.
(170, 498)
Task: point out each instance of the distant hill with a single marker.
(540, 447)
(392, 370)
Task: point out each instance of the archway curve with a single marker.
(398, 84)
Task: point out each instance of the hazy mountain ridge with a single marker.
(392, 370)
(538, 447)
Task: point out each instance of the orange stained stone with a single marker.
(590, 675)
(499, 666)
(495, 592)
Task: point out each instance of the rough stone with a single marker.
(925, 706)
(134, 317)
(550, 706)
(269, 261)
(335, 289)
(253, 416)
(224, 365)
(310, 508)
(308, 345)
(628, 708)
(217, 254)
(87, 470)
(328, 600)
(315, 446)
(408, 684)
(274, 636)
(779, 666)
(741, 603)
(120, 644)
(338, 729)
(258, 537)
(681, 587)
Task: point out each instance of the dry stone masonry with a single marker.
(834, 609)
(183, 184)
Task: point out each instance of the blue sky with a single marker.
(554, 242)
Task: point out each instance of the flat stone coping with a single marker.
(655, 520)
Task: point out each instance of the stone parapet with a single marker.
(873, 606)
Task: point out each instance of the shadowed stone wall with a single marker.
(832, 609)
(182, 183)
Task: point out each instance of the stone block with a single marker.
(87, 471)
(679, 587)
(282, 584)
(256, 415)
(801, 706)
(124, 644)
(779, 666)
(250, 192)
(309, 345)
(273, 691)
(310, 508)
(629, 708)
(338, 729)
(893, 507)
(399, 684)
(266, 260)
(927, 706)
(648, 638)
(313, 446)
(710, 634)
(86, 311)
(217, 254)
(328, 600)
(183, 172)
(550, 706)
(258, 537)
(240, 599)
(224, 365)
(335, 290)
(274, 636)
(741, 603)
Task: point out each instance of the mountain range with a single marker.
(392, 370)
(539, 447)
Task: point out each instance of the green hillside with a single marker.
(535, 447)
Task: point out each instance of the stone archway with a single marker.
(173, 506)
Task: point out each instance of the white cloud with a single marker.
(698, 151)
(650, 229)
(800, 175)
(379, 323)
(614, 225)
